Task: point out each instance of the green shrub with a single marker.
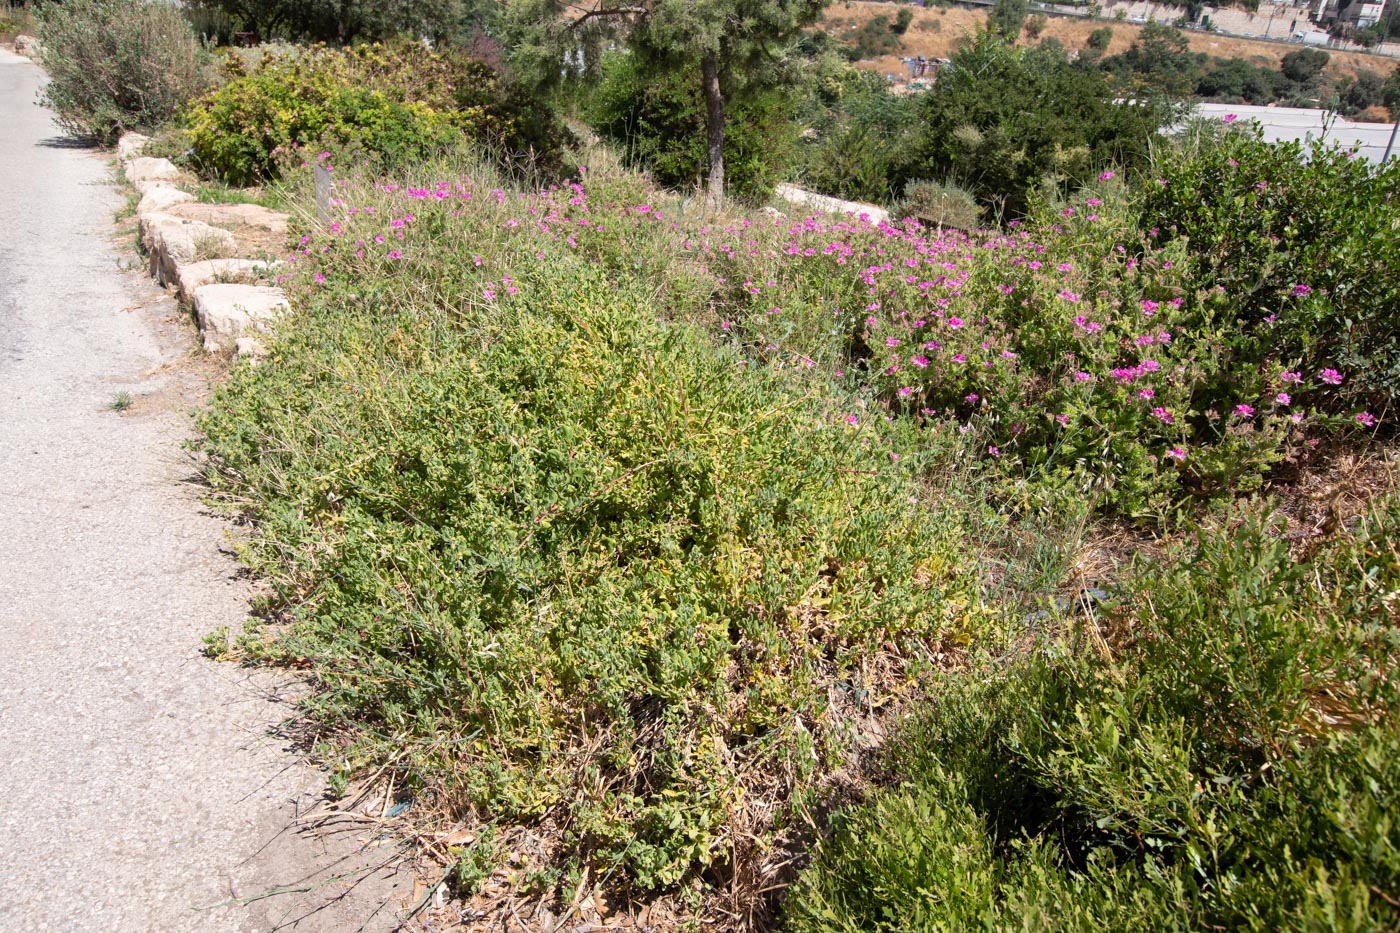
(394, 104)
(941, 205)
(1228, 762)
(1004, 119)
(116, 65)
(1302, 241)
(660, 122)
(861, 137)
(876, 37)
(558, 555)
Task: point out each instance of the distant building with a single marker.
(1358, 14)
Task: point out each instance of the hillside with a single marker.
(935, 33)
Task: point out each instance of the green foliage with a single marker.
(861, 140)
(732, 48)
(1390, 93)
(1100, 38)
(1004, 119)
(940, 205)
(1304, 243)
(1304, 65)
(558, 554)
(1236, 80)
(393, 104)
(1159, 62)
(875, 38)
(902, 21)
(660, 123)
(344, 21)
(1228, 762)
(1007, 17)
(116, 65)
(1363, 93)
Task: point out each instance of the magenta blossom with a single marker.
(1365, 419)
(1244, 411)
(1162, 415)
(1331, 377)
(1300, 291)
(1283, 398)
(1176, 453)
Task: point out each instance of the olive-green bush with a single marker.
(1227, 757)
(395, 105)
(116, 65)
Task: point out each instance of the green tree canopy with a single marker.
(1003, 119)
(723, 44)
(343, 21)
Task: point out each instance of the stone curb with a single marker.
(179, 233)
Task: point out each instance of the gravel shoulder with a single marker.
(146, 787)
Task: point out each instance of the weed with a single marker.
(121, 401)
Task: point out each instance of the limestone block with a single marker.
(227, 312)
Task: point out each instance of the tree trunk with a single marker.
(714, 129)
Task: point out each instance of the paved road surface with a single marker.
(138, 781)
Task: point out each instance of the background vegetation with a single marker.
(677, 554)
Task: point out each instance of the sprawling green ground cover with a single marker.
(568, 562)
(619, 533)
(1223, 756)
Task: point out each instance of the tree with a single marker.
(1158, 62)
(343, 21)
(1303, 65)
(1390, 93)
(729, 42)
(1005, 119)
(1007, 17)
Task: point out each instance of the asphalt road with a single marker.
(140, 784)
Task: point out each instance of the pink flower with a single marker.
(1244, 411)
(971, 398)
(1365, 419)
(488, 294)
(1331, 377)
(1062, 420)
(395, 254)
(852, 420)
(891, 341)
(1229, 118)
(1283, 398)
(919, 361)
(1106, 176)
(955, 322)
(1082, 377)
(994, 451)
(1176, 453)
(724, 326)
(1071, 297)
(1146, 394)
(1149, 308)
(320, 279)
(905, 392)
(1290, 377)
(1162, 415)
(1301, 290)
(959, 358)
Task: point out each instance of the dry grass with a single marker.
(936, 32)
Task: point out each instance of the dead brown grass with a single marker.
(936, 32)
